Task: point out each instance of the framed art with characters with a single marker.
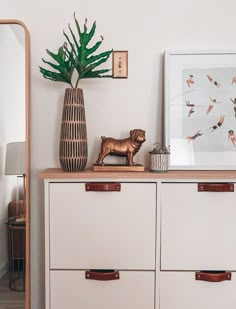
(200, 109)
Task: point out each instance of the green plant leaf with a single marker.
(74, 54)
(63, 66)
(54, 76)
(85, 26)
(59, 57)
(90, 34)
(93, 49)
(69, 54)
(77, 25)
(98, 73)
(85, 60)
(92, 59)
(97, 63)
(70, 43)
(75, 41)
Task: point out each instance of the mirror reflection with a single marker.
(12, 166)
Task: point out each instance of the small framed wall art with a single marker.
(120, 64)
(200, 109)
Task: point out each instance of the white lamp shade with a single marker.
(15, 159)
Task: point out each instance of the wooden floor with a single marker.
(10, 299)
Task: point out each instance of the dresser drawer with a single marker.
(180, 290)
(71, 289)
(198, 229)
(111, 229)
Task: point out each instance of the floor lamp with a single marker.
(15, 165)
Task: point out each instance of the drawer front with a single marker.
(180, 290)
(71, 289)
(113, 229)
(198, 228)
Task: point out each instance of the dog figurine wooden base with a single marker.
(127, 147)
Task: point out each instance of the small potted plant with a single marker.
(159, 158)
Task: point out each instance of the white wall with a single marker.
(113, 107)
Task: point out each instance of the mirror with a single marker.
(14, 164)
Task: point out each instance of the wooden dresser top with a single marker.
(57, 173)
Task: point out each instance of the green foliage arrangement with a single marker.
(160, 149)
(75, 55)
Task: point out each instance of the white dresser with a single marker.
(140, 240)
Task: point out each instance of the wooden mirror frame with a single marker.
(27, 139)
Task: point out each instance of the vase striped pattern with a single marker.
(73, 152)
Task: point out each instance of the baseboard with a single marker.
(3, 270)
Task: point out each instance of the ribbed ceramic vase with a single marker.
(73, 153)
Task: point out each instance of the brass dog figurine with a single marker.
(127, 147)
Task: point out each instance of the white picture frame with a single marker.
(200, 109)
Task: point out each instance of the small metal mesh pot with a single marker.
(159, 162)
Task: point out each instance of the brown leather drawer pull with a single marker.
(215, 187)
(102, 186)
(103, 276)
(213, 277)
